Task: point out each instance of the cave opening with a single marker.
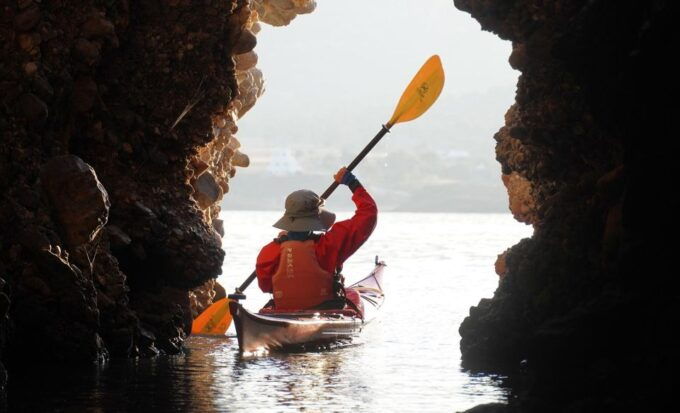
(331, 78)
(119, 142)
(329, 83)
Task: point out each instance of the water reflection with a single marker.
(310, 380)
(212, 376)
(406, 360)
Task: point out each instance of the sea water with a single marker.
(408, 360)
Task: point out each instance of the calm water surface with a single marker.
(407, 360)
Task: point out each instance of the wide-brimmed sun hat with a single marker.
(304, 212)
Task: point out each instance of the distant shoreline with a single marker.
(398, 211)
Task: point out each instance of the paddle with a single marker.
(419, 95)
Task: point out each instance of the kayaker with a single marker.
(301, 267)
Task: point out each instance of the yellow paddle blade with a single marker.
(214, 320)
(421, 93)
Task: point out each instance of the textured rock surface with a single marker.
(77, 198)
(585, 305)
(281, 12)
(117, 133)
(201, 297)
(117, 143)
(522, 204)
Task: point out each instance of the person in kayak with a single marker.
(301, 267)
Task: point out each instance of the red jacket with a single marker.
(334, 247)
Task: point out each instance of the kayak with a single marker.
(271, 330)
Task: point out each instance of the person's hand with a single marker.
(343, 176)
(340, 174)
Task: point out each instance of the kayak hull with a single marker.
(265, 331)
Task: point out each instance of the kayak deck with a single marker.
(269, 330)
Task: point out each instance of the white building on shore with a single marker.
(283, 163)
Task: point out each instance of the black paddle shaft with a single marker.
(238, 295)
(359, 158)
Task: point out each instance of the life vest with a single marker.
(300, 282)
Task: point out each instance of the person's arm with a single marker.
(267, 264)
(345, 237)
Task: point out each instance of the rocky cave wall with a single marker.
(118, 124)
(581, 319)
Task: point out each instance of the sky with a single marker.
(334, 76)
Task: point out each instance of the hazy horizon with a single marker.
(334, 76)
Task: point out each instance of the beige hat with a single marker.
(304, 213)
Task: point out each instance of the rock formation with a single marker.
(118, 141)
(282, 12)
(583, 314)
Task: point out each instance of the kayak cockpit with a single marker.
(270, 329)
